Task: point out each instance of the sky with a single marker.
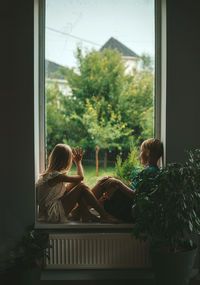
(90, 23)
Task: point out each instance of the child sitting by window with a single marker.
(58, 193)
(116, 197)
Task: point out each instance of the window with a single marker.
(97, 31)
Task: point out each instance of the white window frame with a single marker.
(39, 91)
(39, 85)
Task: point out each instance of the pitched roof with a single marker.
(50, 69)
(115, 44)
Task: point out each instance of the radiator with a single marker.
(96, 251)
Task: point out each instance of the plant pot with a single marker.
(172, 268)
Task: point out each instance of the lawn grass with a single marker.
(90, 177)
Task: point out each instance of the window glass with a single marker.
(99, 82)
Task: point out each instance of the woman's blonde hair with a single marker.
(60, 158)
(155, 151)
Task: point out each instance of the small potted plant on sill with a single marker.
(166, 213)
(26, 260)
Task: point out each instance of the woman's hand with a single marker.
(77, 154)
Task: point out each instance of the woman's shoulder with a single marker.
(53, 174)
(47, 176)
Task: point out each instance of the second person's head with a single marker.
(151, 151)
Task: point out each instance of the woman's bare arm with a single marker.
(75, 179)
(77, 156)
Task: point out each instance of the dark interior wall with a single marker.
(17, 120)
(183, 78)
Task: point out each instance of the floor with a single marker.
(89, 282)
(105, 282)
(129, 277)
(61, 278)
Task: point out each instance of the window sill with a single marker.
(77, 225)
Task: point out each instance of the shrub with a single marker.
(125, 171)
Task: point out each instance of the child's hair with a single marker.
(155, 151)
(60, 158)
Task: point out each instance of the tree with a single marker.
(61, 127)
(136, 104)
(97, 86)
(104, 133)
(146, 62)
(99, 75)
(55, 120)
(106, 104)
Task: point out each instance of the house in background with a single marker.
(51, 68)
(129, 57)
(53, 76)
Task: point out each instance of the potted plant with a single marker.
(166, 214)
(26, 259)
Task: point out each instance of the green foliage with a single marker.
(30, 250)
(61, 126)
(146, 124)
(100, 74)
(97, 86)
(55, 117)
(136, 104)
(168, 211)
(104, 133)
(126, 170)
(146, 62)
(105, 106)
(194, 163)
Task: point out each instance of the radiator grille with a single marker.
(97, 251)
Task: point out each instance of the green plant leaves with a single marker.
(31, 249)
(168, 211)
(128, 169)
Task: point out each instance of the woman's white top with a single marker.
(48, 198)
